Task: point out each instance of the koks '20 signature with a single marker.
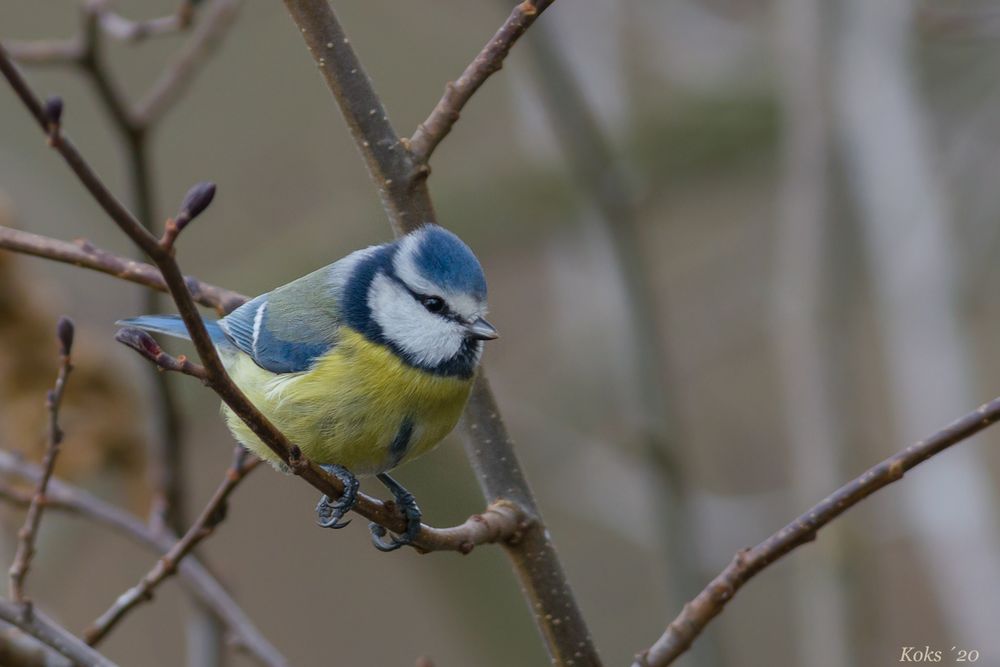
(928, 654)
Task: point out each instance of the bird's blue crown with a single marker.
(445, 260)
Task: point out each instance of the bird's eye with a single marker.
(434, 304)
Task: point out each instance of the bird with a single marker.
(364, 364)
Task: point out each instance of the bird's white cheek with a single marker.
(430, 340)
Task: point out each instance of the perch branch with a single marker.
(712, 600)
(29, 531)
(500, 522)
(199, 582)
(458, 92)
(487, 443)
(211, 516)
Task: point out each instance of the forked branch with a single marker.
(458, 92)
(211, 516)
(199, 582)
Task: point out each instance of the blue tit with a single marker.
(364, 364)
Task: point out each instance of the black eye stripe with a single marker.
(445, 311)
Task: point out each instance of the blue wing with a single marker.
(283, 331)
(286, 330)
(280, 342)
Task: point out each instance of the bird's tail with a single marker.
(173, 325)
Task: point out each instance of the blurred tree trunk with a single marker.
(803, 349)
(950, 508)
(604, 183)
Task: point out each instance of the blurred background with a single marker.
(738, 252)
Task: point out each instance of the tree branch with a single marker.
(118, 27)
(197, 580)
(487, 443)
(400, 181)
(84, 254)
(28, 532)
(184, 65)
(697, 613)
(46, 51)
(211, 516)
(50, 633)
(458, 92)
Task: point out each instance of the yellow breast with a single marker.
(353, 407)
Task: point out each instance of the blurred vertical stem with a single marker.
(803, 350)
(604, 181)
(902, 204)
(205, 635)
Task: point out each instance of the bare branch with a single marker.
(458, 92)
(29, 531)
(46, 51)
(487, 443)
(400, 181)
(92, 63)
(210, 517)
(118, 27)
(84, 254)
(197, 580)
(748, 562)
(146, 345)
(181, 70)
(41, 627)
(23, 650)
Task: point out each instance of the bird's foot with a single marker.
(412, 513)
(330, 512)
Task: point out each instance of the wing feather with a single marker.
(286, 330)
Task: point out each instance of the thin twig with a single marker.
(32, 621)
(85, 254)
(458, 92)
(500, 522)
(748, 562)
(487, 443)
(199, 582)
(185, 64)
(46, 51)
(212, 514)
(29, 531)
(118, 27)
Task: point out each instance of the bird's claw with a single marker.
(406, 502)
(330, 512)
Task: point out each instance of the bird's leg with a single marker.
(330, 512)
(407, 503)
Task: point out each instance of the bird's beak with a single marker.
(480, 329)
